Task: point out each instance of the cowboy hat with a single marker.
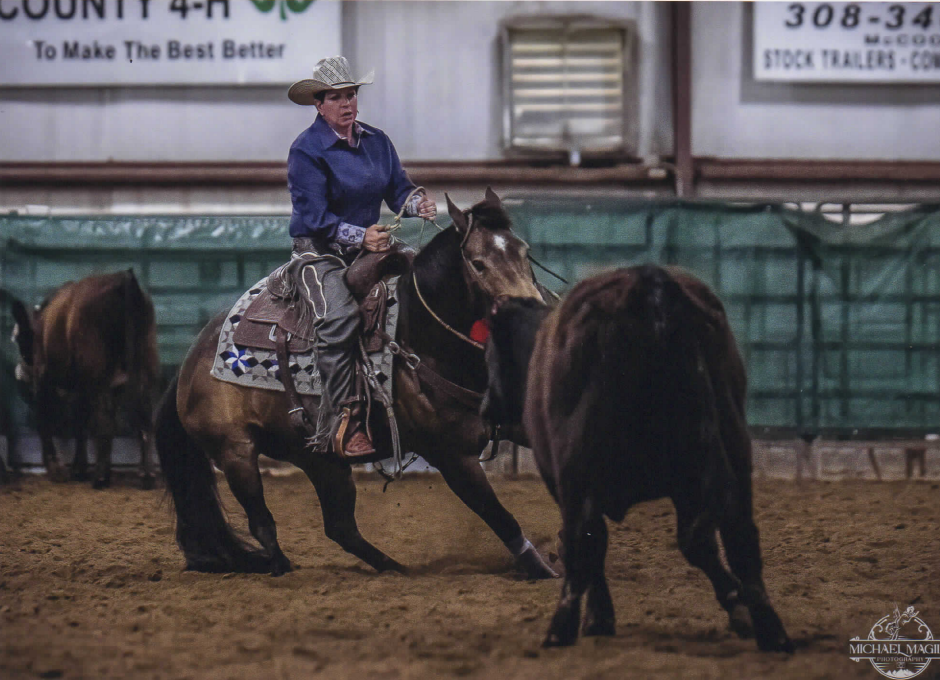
(332, 73)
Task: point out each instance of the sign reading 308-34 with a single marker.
(866, 42)
(144, 42)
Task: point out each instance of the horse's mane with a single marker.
(489, 216)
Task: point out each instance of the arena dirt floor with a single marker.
(92, 586)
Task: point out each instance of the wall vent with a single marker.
(569, 85)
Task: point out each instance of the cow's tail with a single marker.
(671, 311)
(202, 532)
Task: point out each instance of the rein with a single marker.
(453, 330)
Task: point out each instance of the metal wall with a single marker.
(735, 117)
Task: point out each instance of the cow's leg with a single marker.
(466, 478)
(239, 462)
(741, 540)
(698, 542)
(580, 554)
(599, 618)
(337, 493)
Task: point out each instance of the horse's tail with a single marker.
(142, 363)
(202, 532)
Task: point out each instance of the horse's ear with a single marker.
(491, 197)
(460, 220)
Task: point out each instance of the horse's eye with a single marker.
(479, 265)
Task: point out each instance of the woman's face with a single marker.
(340, 108)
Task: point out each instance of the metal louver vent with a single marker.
(565, 84)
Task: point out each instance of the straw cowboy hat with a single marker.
(332, 73)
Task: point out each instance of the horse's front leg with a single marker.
(337, 493)
(466, 478)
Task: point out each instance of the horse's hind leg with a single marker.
(141, 417)
(337, 493)
(239, 462)
(79, 469)
(147, 478)
(103, 429)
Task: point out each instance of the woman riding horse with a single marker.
(437, 381)
(339, 171)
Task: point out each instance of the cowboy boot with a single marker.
(352, 438)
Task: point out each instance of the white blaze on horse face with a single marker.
(500, 242)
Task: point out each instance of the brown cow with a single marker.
(90, 345)
(631, 390)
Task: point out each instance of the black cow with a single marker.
(631, 390)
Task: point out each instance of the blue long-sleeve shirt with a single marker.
(337, 190)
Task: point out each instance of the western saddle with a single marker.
(282, 319)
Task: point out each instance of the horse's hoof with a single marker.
(148, 482)
(599, 627)
(280, 565)
(556, 640)
(534, 566)
(80, 476)
(739, 620)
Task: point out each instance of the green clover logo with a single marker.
(296, 6)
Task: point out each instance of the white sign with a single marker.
(867, 42)
(168, 42)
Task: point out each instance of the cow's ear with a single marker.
(460, 220)
(490, 197)
(21, 315)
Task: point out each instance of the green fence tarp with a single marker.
(839, 325)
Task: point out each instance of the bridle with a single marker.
(473, 273)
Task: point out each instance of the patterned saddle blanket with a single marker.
(256, 367)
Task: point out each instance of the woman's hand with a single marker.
(427, 208)
(376, 238)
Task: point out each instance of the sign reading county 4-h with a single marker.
(164, 42)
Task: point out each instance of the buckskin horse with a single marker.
(90, 348)
(633, 389)
(202, 420)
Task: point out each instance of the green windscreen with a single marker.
(839, 325)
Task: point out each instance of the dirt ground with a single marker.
(92, 586)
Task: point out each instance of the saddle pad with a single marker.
(258, 368)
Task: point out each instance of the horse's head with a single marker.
(497, 260)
